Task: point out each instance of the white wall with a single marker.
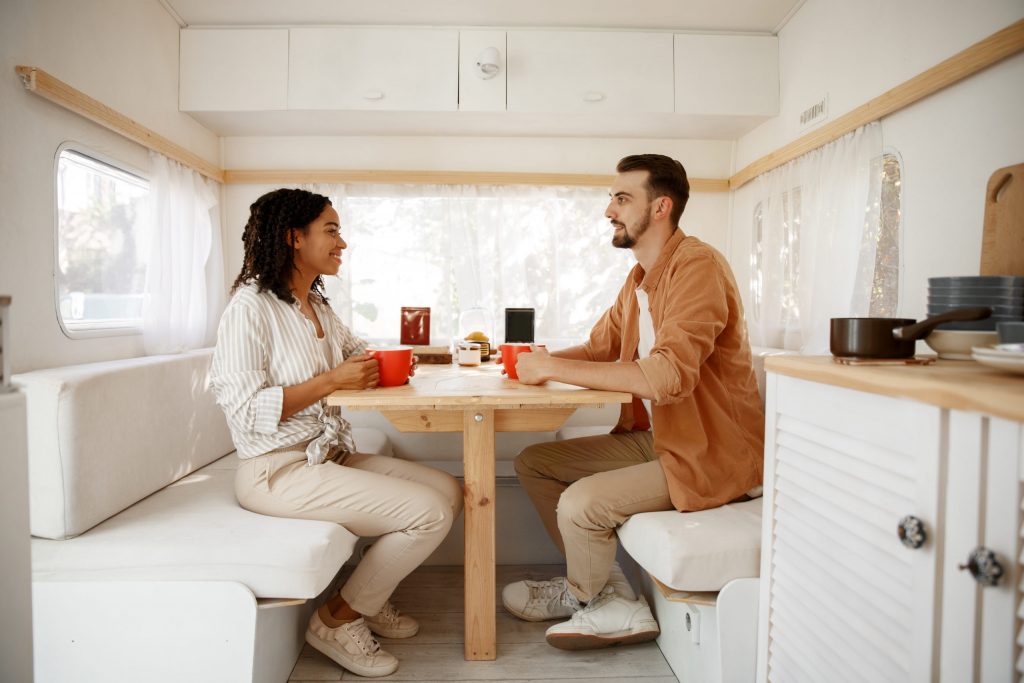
(950, 142)
(15, 561)
(121, 52)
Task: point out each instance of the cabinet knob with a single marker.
(373, 95)
(911, 532)
(593, 96)
(983, 566)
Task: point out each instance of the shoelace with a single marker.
(606, 594)
(360, 633)
(387, 614)
(555, 588)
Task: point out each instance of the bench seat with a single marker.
(194, 530)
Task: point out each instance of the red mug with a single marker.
(509, 354)
(394, 364)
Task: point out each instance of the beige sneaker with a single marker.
(389, 623)
(609, 619)
(544, 600)
(352, 646)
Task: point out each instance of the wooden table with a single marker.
(477, 401)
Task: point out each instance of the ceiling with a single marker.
(733, 16)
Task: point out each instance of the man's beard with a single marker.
(627, 241)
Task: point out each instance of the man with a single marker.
(677, 333)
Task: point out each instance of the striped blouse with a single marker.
(264, 345)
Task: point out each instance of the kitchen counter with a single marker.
(953, 384)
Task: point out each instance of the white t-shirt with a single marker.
(646, 338)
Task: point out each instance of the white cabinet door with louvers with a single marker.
(849, 561)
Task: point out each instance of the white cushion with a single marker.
(105, 435)
(195, 530)
(697, 551)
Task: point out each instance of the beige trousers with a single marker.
(584, 489)
(409, 506)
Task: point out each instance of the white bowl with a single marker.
(957, 344)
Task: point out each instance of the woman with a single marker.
(280, 351)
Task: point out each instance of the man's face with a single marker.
(629, 209)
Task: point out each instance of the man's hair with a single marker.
(666, 177)
(269, 255)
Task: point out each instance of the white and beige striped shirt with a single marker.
(264, 345)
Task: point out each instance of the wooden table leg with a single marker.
(478, 466)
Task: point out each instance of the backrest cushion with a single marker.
(103, 436)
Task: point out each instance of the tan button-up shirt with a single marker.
(707, 415)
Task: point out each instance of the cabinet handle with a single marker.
(593, 96)
(911, 532)
(983, 566)
(373, 95)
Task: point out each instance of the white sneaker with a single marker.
(540, 600)
(544, 600)
(609, 619)
(352, 646)
(389, 623)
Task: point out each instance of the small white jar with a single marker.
(469, 354)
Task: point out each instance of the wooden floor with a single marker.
(434, 596)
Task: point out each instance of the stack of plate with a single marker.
(1004, 294)
(1003, 356)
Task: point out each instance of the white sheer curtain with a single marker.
(815, 248)
(455, 247)
(184, 273)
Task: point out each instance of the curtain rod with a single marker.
(46, 86)
(445, 178)
(983, 54)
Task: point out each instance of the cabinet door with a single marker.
(363, 68)
(727, 75)
(844, 599)
(233, 70)
(983, 510)
(561, 71)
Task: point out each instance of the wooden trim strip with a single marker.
(983, 54)
(272, 177)
(46, 86)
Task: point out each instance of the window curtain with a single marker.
(457, 247)
(815, 256)
(184, 274)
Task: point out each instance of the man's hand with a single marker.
(356, 372)
(534, 367)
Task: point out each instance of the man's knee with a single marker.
(532, 460)
(581, 505)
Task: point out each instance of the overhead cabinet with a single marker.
(727, 75)
(589, 71)
(383, 69)
(233, 70)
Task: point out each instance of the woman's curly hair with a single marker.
(269, 258)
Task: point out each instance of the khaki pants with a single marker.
(584, 489)
(409, 506)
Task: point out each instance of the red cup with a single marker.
(394, 363)
(509, 355)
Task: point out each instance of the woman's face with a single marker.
(318, 248)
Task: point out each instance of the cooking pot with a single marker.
(890, 337)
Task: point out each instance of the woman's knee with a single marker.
(453, 492)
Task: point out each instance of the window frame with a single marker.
(123, 328)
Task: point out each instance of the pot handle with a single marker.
(923, 329)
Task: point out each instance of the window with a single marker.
(101, 245)
(459, 247)
(885, 286)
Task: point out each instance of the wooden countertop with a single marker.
(954, 384)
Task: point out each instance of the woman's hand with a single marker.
(534, 367)
(356, 372)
